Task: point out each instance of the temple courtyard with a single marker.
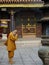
(25, 54)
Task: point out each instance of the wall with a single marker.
(38, 29)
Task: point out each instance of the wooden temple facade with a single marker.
(23, 15)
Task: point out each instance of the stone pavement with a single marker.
(26, 53)
(23, 56)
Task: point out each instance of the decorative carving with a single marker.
(19, 1)
(30, 29)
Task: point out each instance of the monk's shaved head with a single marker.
(15, 32)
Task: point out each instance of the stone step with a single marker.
(25, 42)
(28, 43)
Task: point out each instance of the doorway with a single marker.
(27, 22)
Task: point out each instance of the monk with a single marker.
(11, 46)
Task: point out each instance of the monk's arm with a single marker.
(12, 37)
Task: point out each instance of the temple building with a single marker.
(44, 21)
(23, 15)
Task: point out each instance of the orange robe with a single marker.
(11, 46)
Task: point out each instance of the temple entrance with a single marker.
(29, 30)
(22, 19)
(27, 22)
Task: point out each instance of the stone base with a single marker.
(29, 36)
(46, 61)
(4, 36)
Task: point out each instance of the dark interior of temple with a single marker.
(46, 1)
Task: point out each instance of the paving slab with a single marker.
(23, 56)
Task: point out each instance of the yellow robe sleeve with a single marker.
(12, 37)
